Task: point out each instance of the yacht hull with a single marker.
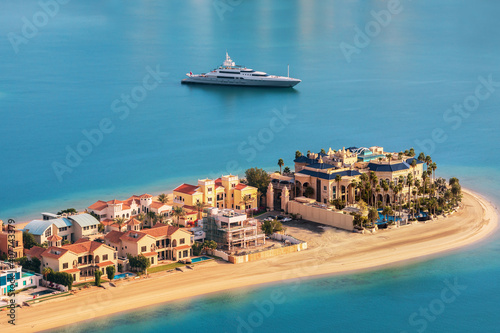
(242, 82)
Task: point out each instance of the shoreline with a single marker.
(327, 255)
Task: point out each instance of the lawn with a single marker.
(164, 267)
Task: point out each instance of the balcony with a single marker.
(177, 201)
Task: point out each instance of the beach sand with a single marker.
(330, 252)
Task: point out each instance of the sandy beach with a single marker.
(330, 252)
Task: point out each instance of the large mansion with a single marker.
(334, 174)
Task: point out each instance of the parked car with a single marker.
(286, 219)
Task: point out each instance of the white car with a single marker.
(286, 219)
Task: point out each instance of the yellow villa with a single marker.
(223, 192)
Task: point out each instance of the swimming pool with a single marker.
(43, 292)
(199, 259)
(26, 274)
(123, 275)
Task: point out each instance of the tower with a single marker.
(270, 197)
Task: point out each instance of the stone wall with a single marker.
(267, 254)
(321, 215)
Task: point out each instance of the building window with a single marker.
(182, 241)
(143, 249)
(48, 232)
(105, 257)
(185, 254)
(65, 265)
(324, 188)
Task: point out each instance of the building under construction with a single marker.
(231, 230)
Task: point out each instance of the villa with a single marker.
(109, 210)
(334, 174)
(22, 279)
(231, 229)
(69, 228)
(161, 242)
(80, 259)
(223, 192)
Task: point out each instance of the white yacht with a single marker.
(234, 75)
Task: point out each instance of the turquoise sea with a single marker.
(373, 73)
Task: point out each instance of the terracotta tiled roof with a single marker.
(72, 270)
(115, 202)
(106, 263)
(240, 186)
(54, 238)
(133, 222)
(149, 254)
(161, 231)
(114, 236)
(187, 189)
(125, 206)
(107, 222)
(128, 236)
(182, 247)
(157, 204)
(35, 251)
(83, 246)
(99, 205)
(49, 253)
(145, 195)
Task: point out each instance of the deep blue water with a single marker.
(395, 91)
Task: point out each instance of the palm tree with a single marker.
(395, 190)
(163, 198)
(400, 155)
(389, 156)
(385, 187)
(409, 182)
(286, 170)
(246, 199)
(373, 181)
(120, 221)
(280, 163)
(377, 190)
(152, 217)
(433, 168)
(338, 178)
(372, 215)
(421, 157)
(386, 212)
(178, 212)
(141, 217)
(46, 271)
(199, 207)
(428, 160)
(424, 179)
(298, 154)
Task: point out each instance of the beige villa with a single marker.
(161, 242)
(80, 259)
